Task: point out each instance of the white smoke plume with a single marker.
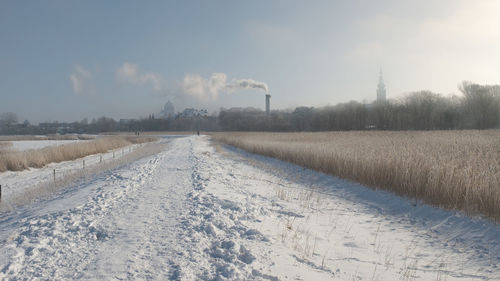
(193, 85)
(203, 89)
(247, 84)
(209, 89)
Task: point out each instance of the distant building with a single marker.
(242, 109)
(193, 112)
(168, 111)
(381, 92)
(126, 121)
(59, 128)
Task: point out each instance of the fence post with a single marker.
(113, 154)
(100, 159)
(54, 175)
(84, 164)
(0, 192)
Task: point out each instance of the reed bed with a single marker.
(5, 145)
(451, 169)
(37, 158)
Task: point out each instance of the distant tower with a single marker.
(268, 104)
(168, 110)
(381, 89)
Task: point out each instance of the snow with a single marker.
(37, 144)
(192, 212)
(15, 183)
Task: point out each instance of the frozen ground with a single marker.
(191, 212)
(37, 144)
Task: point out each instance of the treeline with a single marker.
(106, 124)
(478, 108)
(206, 123)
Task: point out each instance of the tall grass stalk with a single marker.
(37, 158)
(5, 145)
(452, 169)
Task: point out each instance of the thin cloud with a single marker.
(82, 81)
(268, 32)
(129, 73)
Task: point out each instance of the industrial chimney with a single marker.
(268, 104)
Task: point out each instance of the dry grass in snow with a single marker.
(37, 158)
(451, 169)
(5, 144)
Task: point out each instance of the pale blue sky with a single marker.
(67, 60)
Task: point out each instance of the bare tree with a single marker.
(8, 119)
(481, 104)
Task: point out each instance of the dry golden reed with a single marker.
(452, 169)
(37, 158)
(5, 145)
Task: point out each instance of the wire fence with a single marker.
(63, 176)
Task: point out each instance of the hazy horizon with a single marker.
(65, 60)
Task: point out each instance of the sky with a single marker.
(66, 60)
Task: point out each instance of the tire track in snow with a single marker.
(217, 226)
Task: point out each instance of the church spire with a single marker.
(381, 93)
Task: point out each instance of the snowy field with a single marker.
(23, 145)
(192, 212)
(37, 144)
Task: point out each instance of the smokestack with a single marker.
(268, 104)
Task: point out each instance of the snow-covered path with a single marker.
(143, 221)
(114, 227)
(191, 213)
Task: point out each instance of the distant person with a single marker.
(198, 132)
